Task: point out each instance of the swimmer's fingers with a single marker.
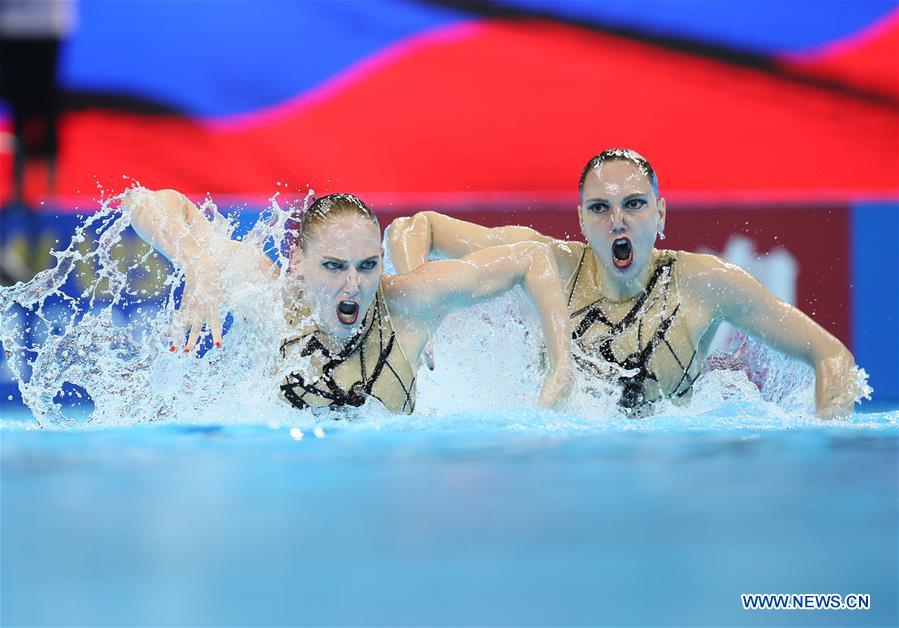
(428, 353)
(836, 411)
(835, 389)
(558, 387)
(196, 326)
(839, 405)
(178, 327)
(214, 323)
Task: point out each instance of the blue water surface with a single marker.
(458, 520)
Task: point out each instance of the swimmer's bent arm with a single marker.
(738, 298)
(437, 288)
(175, 227)
(170, 223)
(412, 239)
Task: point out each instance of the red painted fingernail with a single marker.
(218, 344)
(186, 350)
(173, 348)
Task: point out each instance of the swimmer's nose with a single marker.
(618, 225)
(352, 283)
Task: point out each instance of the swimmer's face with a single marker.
(339, 272)
(620, 217)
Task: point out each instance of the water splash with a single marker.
(105, 348)
(109, 345)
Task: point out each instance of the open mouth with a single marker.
(347, 312)
(622, 253)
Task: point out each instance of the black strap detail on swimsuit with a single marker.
(360, 390)
(633, 394)
(594, 314)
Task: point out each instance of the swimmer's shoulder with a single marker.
(706, 278)
(401, 295)
(691, 264)
(568, 254)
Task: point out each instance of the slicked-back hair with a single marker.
(329, 207)
(621, 154)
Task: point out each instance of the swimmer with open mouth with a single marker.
(358, 334)
(622, 253)
(652, 312)
(348, 312)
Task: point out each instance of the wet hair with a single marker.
(621, 154)
(326, 208)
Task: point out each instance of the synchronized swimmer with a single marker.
(652, 312)
(645, 314)
(357, 333)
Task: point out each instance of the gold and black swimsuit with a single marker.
(649, 339)
(371, 364)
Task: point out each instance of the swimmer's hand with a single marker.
(836, 386)
(558, 386)
(201, 301)
(427, 354)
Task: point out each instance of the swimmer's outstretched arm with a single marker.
(737, 297)
(412, 239)
(424, 297)
(175, 227)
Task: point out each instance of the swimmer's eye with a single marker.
(597, 208)
(332, 265)
(635, 203)
(369, 264)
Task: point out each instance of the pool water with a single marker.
(462, 519)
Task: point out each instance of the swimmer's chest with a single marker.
(648, 334)
(370, 366)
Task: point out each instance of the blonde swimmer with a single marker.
(361, 332)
